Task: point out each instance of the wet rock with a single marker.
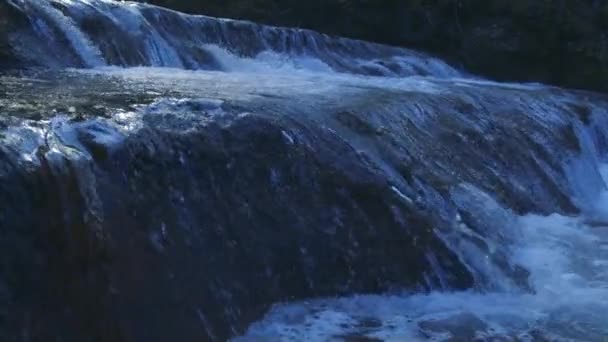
(357, 124)
(188, 219)
(357, 338)
(369, 323)
(10, 19)
(461, 327)
(231, 238)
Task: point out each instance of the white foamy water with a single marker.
(87, 51)
(568, 262)
(267, 61)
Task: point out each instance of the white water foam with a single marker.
(568, 261)
(88, 52)
(267, 61)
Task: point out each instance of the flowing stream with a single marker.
(175, 177)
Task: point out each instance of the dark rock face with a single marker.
(9, 18)
(233, 213)
(462, 327)
(208, 228)
(192, 225)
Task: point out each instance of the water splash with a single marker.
(88, 52)
(568, 261)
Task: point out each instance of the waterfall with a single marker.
(44, 16)
(174, 177)
(132, 34)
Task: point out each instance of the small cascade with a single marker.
(47, 21)
(132, 34)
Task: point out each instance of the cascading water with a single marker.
(291, 187)
(133, 34)
(567, 259)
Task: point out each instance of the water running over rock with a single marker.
(284, 185)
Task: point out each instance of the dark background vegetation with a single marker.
(564, 42)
